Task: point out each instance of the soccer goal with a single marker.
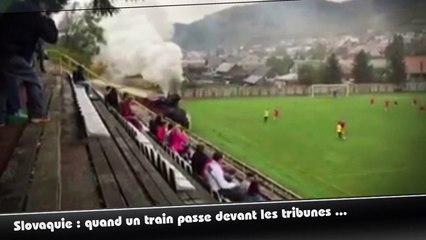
(329, 89)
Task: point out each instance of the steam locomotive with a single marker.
(168, 107)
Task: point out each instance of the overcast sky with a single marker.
(185, 14)
(190, 14)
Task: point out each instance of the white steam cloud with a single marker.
(138, 42)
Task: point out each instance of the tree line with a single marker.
(362, 71)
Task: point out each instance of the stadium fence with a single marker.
(294, 90)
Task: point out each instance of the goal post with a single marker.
(328, 89)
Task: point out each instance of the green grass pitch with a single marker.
(385, 153)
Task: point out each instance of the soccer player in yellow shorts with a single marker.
(340, 131)
(266, 116)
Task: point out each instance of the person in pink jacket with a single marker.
(178, 140)
(161, 132)
(184, 143)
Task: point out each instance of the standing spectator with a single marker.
(80, 79)
(127, 112)
(20, 33)
(199, 160)
(111, 98)
(216, 179)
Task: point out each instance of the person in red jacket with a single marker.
(127, 112)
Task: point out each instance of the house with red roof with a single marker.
(416, 68)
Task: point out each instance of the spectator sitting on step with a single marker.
(199, 160)
(79, 79)
(127, 112)
(178, 140)
(169, 129)
(170, 135)
(250, 188)
(184, 144)
(215, 176)
(111, 97)
(161, 132)
(245, 184)
(154, 123)
(19, 35)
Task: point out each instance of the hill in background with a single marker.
(266, 23)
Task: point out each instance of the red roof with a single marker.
(416, 65)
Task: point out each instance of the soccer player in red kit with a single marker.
(276, 113)
(387, 102)
(415, 100)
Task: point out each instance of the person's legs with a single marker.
(3, 101)
(256, 198)
(9, 96)
(88, 88)
(15, 115)
(234, 194)
(41, 61)
(20, 69)
(13, 103)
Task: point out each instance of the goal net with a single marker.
(329, 89)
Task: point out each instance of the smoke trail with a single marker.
(138, 43)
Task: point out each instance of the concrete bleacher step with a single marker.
(80, 189)
(158, 183)
(93, 122)
(182, 183)
(149, 178)
(176, 160)
(118, 184)
(67, 165)
(178, 174)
